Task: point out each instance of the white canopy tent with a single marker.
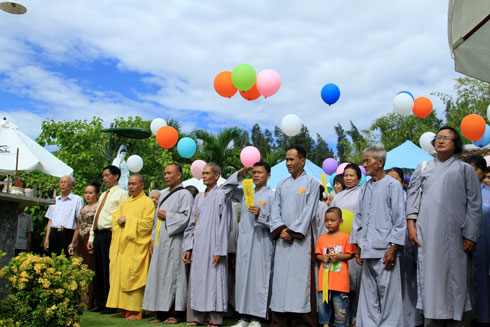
(199, 184)
(469, 37)
(32, 156)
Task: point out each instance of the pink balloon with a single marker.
(363, 170)
(249, 156)
(268, 82)
(197, 167)
(341, 167)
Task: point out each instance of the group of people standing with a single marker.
(409, 256)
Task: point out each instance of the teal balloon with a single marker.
(363, 180)
(332, 177)
(243, 77)
(186, 147)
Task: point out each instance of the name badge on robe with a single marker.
(302, 191)
(262, 203)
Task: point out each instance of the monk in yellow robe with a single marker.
(129, 253)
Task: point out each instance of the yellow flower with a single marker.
(59, 291)
(73, 285)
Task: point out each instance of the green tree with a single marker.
(344, 147)
(260, 140)
(321, 151)
(393, 129)
(220, 148)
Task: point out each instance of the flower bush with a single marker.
(45, 291)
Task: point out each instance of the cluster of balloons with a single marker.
(330, 93)
(167, 137)
(251, 85)
(332, 168)
(404, 103)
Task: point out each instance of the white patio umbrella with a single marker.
(32, 156)
(469, 37)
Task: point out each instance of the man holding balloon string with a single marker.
(255, 248)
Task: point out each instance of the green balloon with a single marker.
(243, 77)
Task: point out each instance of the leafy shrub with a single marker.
(45, 291)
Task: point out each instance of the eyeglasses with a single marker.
(445, 138)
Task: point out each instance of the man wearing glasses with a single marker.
(444, 217)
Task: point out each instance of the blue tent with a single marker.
(407, 155)
(280, 171)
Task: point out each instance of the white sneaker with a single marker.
(255, 323)
(241, 323)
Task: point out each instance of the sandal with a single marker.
(171, 321)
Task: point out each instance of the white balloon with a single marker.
(156, 124)
(135, 163)
(291, 125)
(426, 141)
(403, 104)
(488, 112)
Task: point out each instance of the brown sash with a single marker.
(168, 195)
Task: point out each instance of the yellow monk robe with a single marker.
(129, 253)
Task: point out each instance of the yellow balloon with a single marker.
(348, 218)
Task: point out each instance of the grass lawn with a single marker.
(94, 319)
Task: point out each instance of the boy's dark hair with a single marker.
(335, 210)
(194, 191)
(458, 143)
(322, 189)
(478, 161)
(299, 149)
(264, 164)
(339, 179)
(114, 170)
(487, 170)
(356, 168)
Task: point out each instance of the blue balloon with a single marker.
(485, 139)
(410, 94)
(186, 147)
(330, 93)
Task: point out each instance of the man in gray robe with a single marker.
(444, 217)
(206, 245)
(255, 248)
(293, 298)
(378, 230)
(166, 287)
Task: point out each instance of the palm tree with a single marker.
(275, 157)
(220, 148)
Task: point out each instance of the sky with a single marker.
(67, 60)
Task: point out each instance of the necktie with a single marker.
(96, 220)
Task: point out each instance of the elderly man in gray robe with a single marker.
(255, 248)
(166, 286)
(378, 230)
(293, 298)
(206, 245)
(444, 217)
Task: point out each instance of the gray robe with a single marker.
(295, 205)
(208, 238)
(447, 210)
(254, 252)
(167, 280)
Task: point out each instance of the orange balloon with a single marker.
(422, 107)
(473, 127)
(167, 137)
(251, 94)
(223, 85)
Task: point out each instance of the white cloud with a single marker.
(371, 50)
